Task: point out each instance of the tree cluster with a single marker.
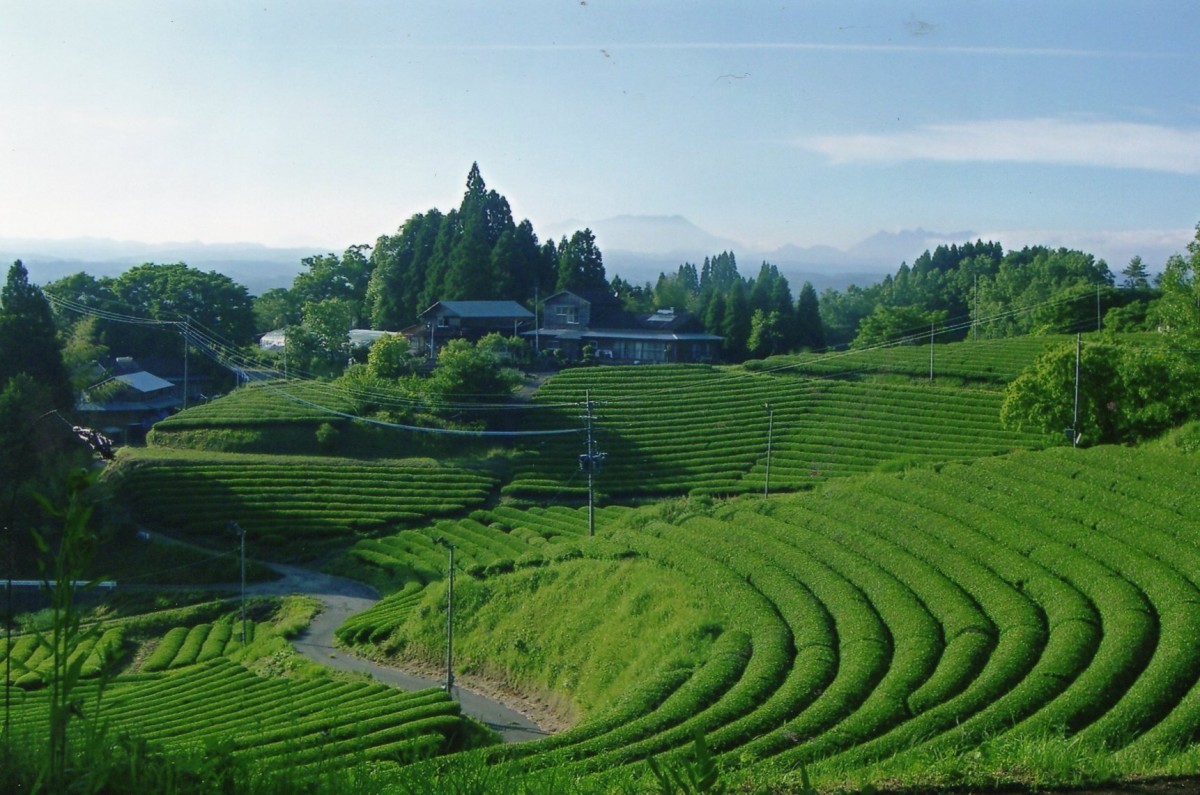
(35, 396)
(475, 252)
(168, 293)
(978, 290)
(1126, 393)
(756, 316)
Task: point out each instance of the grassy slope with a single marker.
(876, 627)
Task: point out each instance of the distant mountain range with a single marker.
(635, 247)
(256, 266)
(640, 247)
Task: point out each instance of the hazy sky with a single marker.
(329, 123)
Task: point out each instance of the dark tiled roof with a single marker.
(501, 310)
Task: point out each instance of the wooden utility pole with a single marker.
(449, 615)
(770, 432)
(1075, 421)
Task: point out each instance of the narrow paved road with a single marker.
(343, 598)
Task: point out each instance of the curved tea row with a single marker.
(1038, 595)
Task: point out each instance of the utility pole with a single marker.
(237, 528)
(449, 614)
(186, 321)
(1075, 421)
(1097, 307)
(590, 461)
(931, 351)
(8, 628)
(591, 466)
(975, 320)
(770, 432)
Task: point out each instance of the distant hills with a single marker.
(639, 247)
(636, 247)
(256, 266)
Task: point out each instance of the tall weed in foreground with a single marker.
(62, 565)
(698, 776)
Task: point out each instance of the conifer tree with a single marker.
(28, 340)
(810, 333)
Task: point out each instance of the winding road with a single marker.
(342, 598)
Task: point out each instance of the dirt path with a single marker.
(343, 598)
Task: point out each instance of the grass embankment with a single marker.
(582, 632)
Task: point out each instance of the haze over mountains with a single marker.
(636, 247)
(639, 247)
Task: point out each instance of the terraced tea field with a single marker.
(886, 620)
(985, 362)
(938, 602)
(292, 506)
(694, 429)
(305, 721)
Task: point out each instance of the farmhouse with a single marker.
(128, 400)
(469, 320)
(576, 320)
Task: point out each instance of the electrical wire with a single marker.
(229, 356)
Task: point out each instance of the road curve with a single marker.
(343, 598)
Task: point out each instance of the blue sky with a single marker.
(329, 123)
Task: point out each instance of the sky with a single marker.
(770, 123)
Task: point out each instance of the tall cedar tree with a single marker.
(28, 339)
(810, 334)
(580, 264)
(473, 252)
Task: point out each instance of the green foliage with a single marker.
(691, 777)
(327, 436)
(1136, 275)
(1178, 309)
(277, 308)
(1184, 439)
(594, 629)
(944, 280)
(768, 334)
(810, 334)
(329, 322)
(28, 344)
(65, 556)
(391, 357)
(580, 263)
(1039, 290)
(330, 278)
(467, 372)
(898, 324)
(171, 292)
(474, 252)
(1126, 393)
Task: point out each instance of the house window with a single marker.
(567, 315)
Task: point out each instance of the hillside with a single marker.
(924, 599)
(890, 625)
